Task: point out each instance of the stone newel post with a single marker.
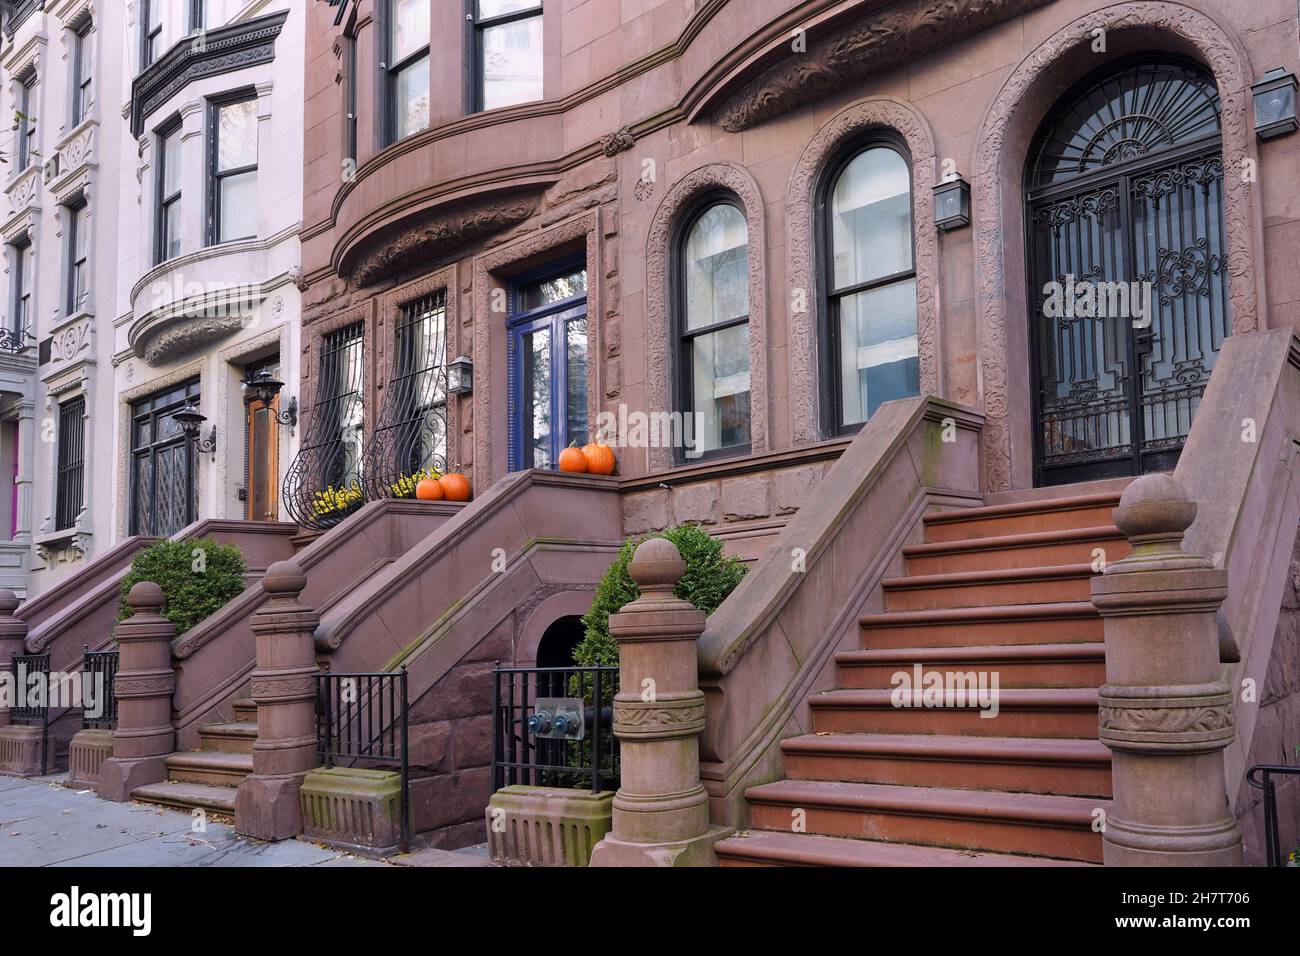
(13, 636)
(1166, 713)
(661, 811)
(284, 688)
(143, 689)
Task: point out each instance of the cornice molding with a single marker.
(223, 50)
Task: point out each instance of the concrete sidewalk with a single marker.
(45, 824)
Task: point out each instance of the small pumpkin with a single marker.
(572, 459)
(600, 458)
(455, 487)
(428, 489)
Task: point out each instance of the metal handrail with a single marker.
(1267, 784)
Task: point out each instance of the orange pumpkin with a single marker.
(455, 487)
(428, 489)
(600, 458)
(572, 459)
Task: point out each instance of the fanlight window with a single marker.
(1128, 115)
(715, 329)
(871, 285)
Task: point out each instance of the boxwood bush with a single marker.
(710, 576)
(197, 576)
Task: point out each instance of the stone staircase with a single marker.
(208, 778)
(999, 589)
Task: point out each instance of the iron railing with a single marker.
(323, 484)
(33, 710)
(13, 340)
(410, 432)
(71, 462)
(99, 668)
(362, 719)
(521, 757)
(1260, 776)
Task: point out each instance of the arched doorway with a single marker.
(557, 644)
(1127, 268)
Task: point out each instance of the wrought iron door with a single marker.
(322, 485)
(164, 472)
(1127, 268)
(410, 435)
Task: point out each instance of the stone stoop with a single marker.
(999, 589)
(208, 778)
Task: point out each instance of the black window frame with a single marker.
(148, 56)
(198, 16)
(83, 78)
(26, 121)
(350, 89)
(22, 298)
(213, 175)
(828, 298)
(75, 210)
(163, 201)
(474, 77)
(392, 70)
(683, 377)
(70, 463)
(149, 408)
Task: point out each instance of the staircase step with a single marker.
(234, 737)
(1070, 712)
(245, 709)
(188, 796)
(1043, 514)
(1063, 622)
(1071, 767)
(769, 848)
(1077, 664)
(1021, 823)
(1050, 585)
(1030, 550)
(209, 767)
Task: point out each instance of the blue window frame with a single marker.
(547, 325)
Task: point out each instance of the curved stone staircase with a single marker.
(1000, 589)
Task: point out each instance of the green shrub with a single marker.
(710, 577)
(194, 585)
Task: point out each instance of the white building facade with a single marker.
(151, 255)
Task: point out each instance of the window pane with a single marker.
(81, 228)
(717, 267)
(536, 398)
(410, 29)
(537, 294)
(720, 385)
(155, 14)
(172, 163)
(512, 63)
(871, 218)
(237, 135)
(239, 206)
(878, 349)
(172, 230)
(575, 331)
(496, 8)
(411, 98)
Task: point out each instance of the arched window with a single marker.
(870, 283)
(713, 331)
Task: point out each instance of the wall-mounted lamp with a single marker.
(191, 422)
(952, 204)
(1275, 104)
(264, 387)
(460, 376)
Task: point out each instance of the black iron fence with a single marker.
(99, 669)
(1260, 776)
(361, 720)
(33, 704)
(554, 727)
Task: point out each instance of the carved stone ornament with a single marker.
(189, 335)
(611, 144)
(432, 238)
(880, 41)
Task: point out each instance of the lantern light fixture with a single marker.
(1275, 104)
(191, 420)
(952, 203)
(264, 387)
(460, 376)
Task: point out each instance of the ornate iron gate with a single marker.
(323, 485)
(410, 433)
(1127, 270)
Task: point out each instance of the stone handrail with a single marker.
(819, 576)
(1240, 466)
(108, 566)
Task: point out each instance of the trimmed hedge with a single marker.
(197, 576)
(710, 576)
